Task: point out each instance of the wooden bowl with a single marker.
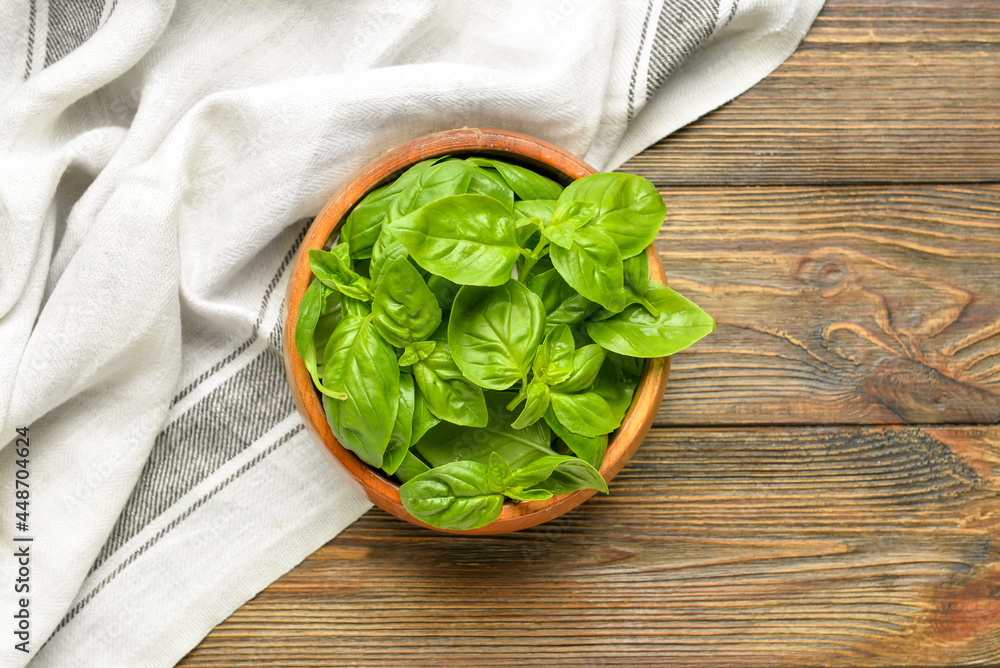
(383, 492)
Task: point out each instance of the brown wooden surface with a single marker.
(822, 487)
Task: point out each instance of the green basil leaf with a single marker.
(554, 359)
(443, 289)
(538, 470)
(593, 267)
(587, 362)
(585, 413)
(449, 443)
(616, 384)
(402, 429)
(493, 333)
(423, 419)
(526, 183)
(360, 364)
(364, 223)
(536, 208)
(527, 228)
(328, 321)
(566, 220)
(519, 494)
(590, 449)
(450, 395)
(468, 239)
(450, 177)
(404, 309)
(563, 305)
(354, 307)
(386, 249)
(453, 496)
(536, 404)
(333, 269)
(637, 283)
(411, 467)
(637, 333)
(419, 350)
(497, 473)
(637, 273)
(310, 311)
(488, 182)
(630, 210)
(572, 475)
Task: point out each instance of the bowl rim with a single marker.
(382, 491)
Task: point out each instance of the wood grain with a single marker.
(716, 547)
(854, 287)
(837, 305)
(878, 92)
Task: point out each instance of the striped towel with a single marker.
(159, 163)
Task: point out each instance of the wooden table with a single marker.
(821, 485)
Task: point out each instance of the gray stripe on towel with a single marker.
(71, 23)
(682, 27)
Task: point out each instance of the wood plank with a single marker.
(837, 305)
(793, 546)
(885, 92)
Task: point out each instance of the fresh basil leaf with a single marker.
(572, 475)
(519, 494)
(590, 449)
(527, 228)
(354, 307)
(411, 467)
(488, 182)
(328, 320)
(450, 396)
(453, 496)
(497, 473)
(587, 362)
(449, 443)
(535, 405)
(525, 183)
(637, 333)
(536, 208)
(554, 359)
(543, 265)
(333, 269)
(584, 413)
(364, 223)
(423, 419)
(566, 220)
(493, 333)
(418, 350)
(443, 289)
(360, 364)
(538, 470)
(402, 428)
(637, 273)
(563, 305)
(450, 177)
(630, 210)
(593, 267)
(310, 311)
(404, 309)
(616, 384)
(386, 249)
(637, 283)
(468, 239)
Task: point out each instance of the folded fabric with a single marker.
(159, 163)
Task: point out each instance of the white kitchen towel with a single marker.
(159, 162)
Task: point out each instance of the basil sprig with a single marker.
(478, 331)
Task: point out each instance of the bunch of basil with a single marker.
(425, 348)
